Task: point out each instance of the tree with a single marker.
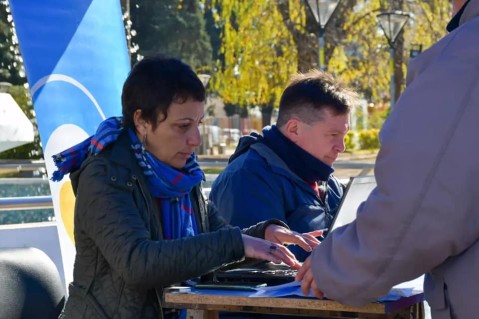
(304, 29)
(357, 58)
(361, 59)
(11, 66)
(172, 27)
(257, 37)
(213, 30)
(258, 53)
(428, 24)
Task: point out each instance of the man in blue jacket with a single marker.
(286, 173)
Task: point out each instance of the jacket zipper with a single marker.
(327, 213)
(157, 293)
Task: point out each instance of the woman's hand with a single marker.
(281, 235)
(258, 248)
(305, 276)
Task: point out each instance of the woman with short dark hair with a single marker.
(141, 222)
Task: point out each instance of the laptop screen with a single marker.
(357, 191)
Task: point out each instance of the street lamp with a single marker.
(204, 78)
(322, 10)
(392, 23)
(416, 49)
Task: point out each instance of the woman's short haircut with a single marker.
(154, 84)
(309, 93)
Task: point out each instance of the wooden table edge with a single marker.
(203, 300)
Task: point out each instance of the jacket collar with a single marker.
(469, 11)
(118, 152)
(278, 165)
(121, 152)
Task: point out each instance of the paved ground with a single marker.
(345, 173)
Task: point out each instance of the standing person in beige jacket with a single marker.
(423, 217)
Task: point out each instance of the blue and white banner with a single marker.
(76, 61)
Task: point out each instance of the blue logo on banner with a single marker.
(76, 60)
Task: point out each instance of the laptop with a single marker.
(259, 273)
(357, 191)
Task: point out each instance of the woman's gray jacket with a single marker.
(121, 262)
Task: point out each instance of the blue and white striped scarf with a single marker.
(171, 186)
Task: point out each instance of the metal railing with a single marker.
(45, 202)
(366, 168)
(22, 167)
(206, 163)
(21, 203)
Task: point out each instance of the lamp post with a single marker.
(416, 49)
(322, 10)
(392, 23)
(204, 78)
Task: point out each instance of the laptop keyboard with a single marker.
(279, 272)
(268, 273)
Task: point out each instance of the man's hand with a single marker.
(305, 276)
(281, 235)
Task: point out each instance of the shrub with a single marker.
(350, 141)
(369, 139)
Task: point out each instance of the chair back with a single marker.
(30, 285)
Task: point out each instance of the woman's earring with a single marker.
(143, 141)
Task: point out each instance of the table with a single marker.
(206, 305)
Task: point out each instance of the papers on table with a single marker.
(405, 289)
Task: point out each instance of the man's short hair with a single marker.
(308, 93)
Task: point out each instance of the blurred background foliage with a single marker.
(250, 48)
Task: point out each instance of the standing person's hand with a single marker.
(282, 235)
(258, 248)
(305, 276)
